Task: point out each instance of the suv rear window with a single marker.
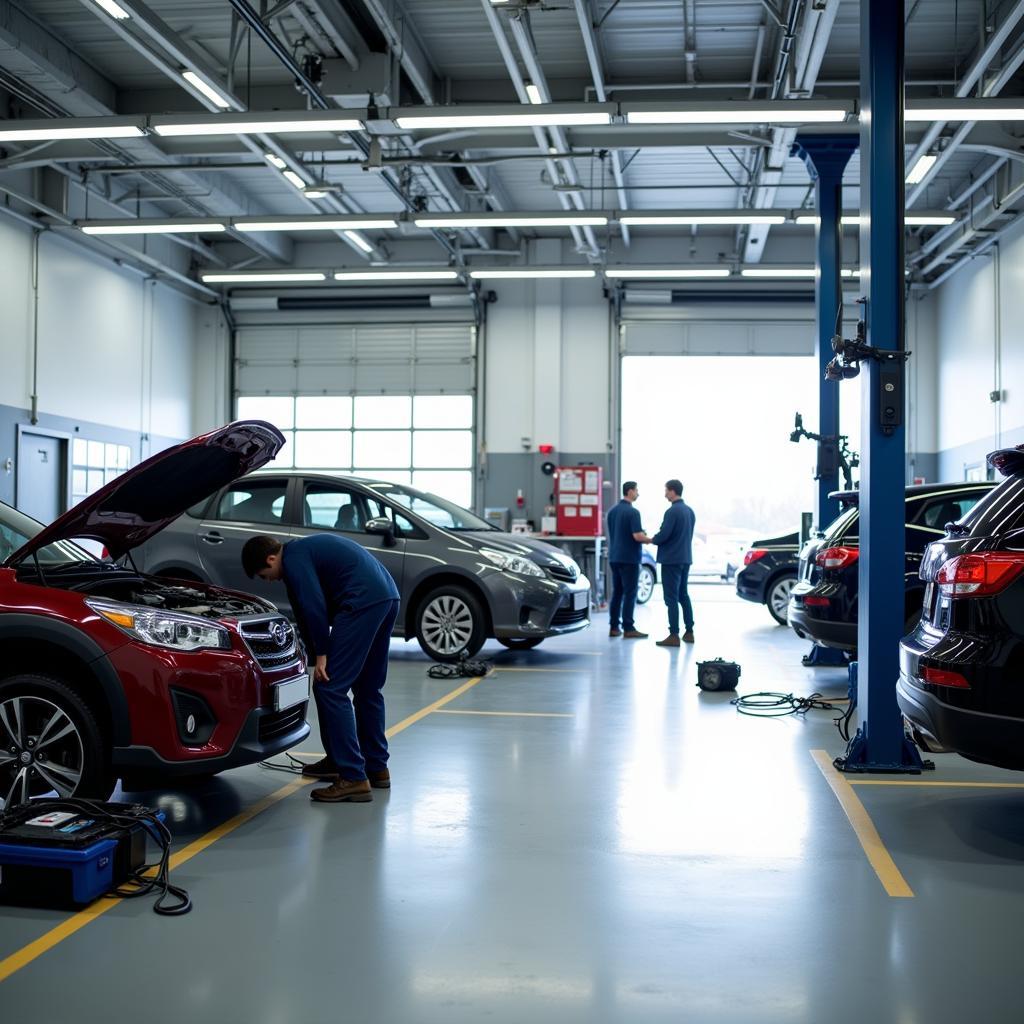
(999, 512)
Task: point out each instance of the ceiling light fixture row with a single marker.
(383, 276)
(532, 115)
(390, 222)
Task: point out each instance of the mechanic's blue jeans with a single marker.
(358, 661)
(625, 577)
(673, 583)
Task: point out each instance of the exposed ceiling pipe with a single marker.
(973, 254)
(971, 78)
(591, 45)
(979, 182)
(519, 85)
(524, 41)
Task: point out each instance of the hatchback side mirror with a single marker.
(384, 527)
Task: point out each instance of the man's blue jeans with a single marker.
(673, 583)
(358, 661)
(625, 577)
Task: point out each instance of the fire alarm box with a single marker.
(578, 491)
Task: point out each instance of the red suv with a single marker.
(107, 673)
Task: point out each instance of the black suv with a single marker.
(961, 668)
(769, 573)
(823, 604)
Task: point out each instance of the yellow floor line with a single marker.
(76, 922)
(510, 714)
(864, 828)
(933, 782)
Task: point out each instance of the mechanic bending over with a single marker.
(346, 604)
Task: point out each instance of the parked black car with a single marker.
(769, 573)
(823, 604)
(962, 667)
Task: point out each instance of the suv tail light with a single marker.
(979, 575)
(753, 555)
(943, 677)
(836, 558)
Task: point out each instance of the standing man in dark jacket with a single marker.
(346, 604)
(675, 552)
(625, 537)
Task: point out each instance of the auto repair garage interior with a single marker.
(442, 276)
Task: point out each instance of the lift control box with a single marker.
(66, 857)
(578, 501)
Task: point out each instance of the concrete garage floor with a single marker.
(583, 836)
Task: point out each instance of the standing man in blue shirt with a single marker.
(625, 535)
(346, 604)
(675, 552)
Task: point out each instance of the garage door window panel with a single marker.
(323, 449)
(449, 412)
(383, 411)
(385, 448)
(442, 449)
(323, 412)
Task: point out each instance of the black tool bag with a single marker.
(718, 675)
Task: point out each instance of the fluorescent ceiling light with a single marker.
(275, 161)
(268, 124)
(396, 275)
(263, 277)
(113, 9)
(533, 94)
(143, 227)
(543, 116)
(985, 110)
(781, 112)
(316, 223)
(500, 220)
(488, 274)
(358, 240)
(290, 176)
(314, 193)
(650, 273)
(640, 220)
(910, 219)
(793, 272)
(918, 172)
(212, 94)
(41, 131)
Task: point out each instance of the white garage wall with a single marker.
(116, 351)
(979, 334)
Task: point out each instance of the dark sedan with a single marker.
(823, 604)
(961, 668)
(769, 574)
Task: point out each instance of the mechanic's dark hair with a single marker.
(256, 552)
(676, 486)
(629, 485)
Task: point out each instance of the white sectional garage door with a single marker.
(349, 359)
(718, 337)
(389, 401)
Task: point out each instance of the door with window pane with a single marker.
(346, 511)
(252, 506)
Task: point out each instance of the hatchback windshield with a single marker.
(436, 511)
(17, 530)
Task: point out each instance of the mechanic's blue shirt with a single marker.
(623, 522)
(327, 575)
(675, 538)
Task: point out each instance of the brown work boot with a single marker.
(380, 780)
(634, 634)
(672, 640)
(354, 791)
(325, 768)
(615, 632)
(688, 637)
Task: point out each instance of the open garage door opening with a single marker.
(722, 425)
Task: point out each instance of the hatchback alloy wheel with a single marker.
(41, 750)
(645, 584)
(447, 624)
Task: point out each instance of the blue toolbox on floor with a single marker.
(54, 854)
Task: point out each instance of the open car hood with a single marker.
(139, 504)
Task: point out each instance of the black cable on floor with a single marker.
(776, 705)
(293, 766)
(463, 668)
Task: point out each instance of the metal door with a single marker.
(42, 476)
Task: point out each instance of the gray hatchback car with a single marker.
(461, 580)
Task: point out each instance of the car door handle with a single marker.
(213, 537)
